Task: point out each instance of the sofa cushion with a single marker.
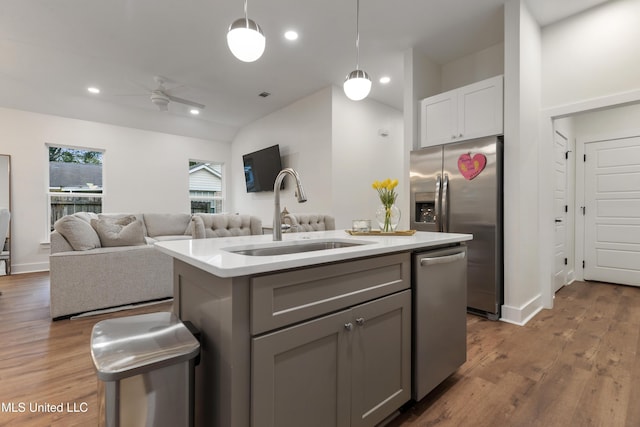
(309, 222)
(167, 224)
(226, 225)
(126, 231)
(78, 232)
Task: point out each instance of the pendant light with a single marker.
(245, 38)
(357, 85)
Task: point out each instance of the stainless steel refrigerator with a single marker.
(457, 188)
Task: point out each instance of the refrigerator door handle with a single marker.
(437, 203)
(445, 204)
(442, 259)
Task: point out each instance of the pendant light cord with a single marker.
(357, 34)
(246, 16)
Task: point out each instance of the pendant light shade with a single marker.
(245, 38)
(357, 85)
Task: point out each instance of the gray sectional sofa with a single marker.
(102, 261)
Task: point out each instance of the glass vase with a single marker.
(388, 218)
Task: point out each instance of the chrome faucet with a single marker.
(277, 225)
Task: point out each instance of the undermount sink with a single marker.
(283, 248)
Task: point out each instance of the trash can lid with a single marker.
(132, 345)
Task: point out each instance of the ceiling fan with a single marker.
(161, 98)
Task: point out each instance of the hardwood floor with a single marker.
(575, 365)
(45, 362)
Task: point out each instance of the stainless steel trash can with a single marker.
(146, 368)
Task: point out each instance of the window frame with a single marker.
(84, 194)
(222, 197)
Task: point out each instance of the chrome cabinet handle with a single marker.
(348, 326)
(360, 321)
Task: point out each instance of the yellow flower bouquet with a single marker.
(387, 193)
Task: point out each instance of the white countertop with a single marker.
(213, 256)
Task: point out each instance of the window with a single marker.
(205, 187)
(75, 181)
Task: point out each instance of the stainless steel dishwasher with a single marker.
(439, 316)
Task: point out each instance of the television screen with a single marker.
(261, 169)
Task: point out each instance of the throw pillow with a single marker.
(116, 219)
(115, 233)
(197, 225)
(78, 232)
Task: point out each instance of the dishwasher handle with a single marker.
(442, 259)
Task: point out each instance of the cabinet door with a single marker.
(381, 364)
(438, 119)
(480, 109)
(300, 375)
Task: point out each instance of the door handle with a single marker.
(438, 214)
(558, 220)
(445, 204)
(442, 259)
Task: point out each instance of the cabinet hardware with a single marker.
(348, 326)
(360, 321)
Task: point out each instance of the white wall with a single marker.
(592, 54)
(421, 79)
(522, 297)
(606, 122)
(361, 155)
(333, 143)
(303, 131)
(589, 63)
(143, 171)
(473, 68)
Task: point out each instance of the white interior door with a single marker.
(560, 212)
(612, 217)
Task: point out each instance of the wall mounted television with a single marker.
(261, 169)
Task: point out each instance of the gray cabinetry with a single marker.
(276, 351)
(282, 299)
(350, 368)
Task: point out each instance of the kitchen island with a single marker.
(311, 330)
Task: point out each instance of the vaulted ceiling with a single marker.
(51, 51)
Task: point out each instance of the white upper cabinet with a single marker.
(468, 112)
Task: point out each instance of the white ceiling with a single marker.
(50, 51)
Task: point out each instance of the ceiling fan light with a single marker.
(246, 40)
(357, 85)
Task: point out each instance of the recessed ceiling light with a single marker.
(194, 111)
(291, 35)
(93, 89)
(385, 79)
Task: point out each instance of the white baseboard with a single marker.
(521, 315)
(29, 268)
